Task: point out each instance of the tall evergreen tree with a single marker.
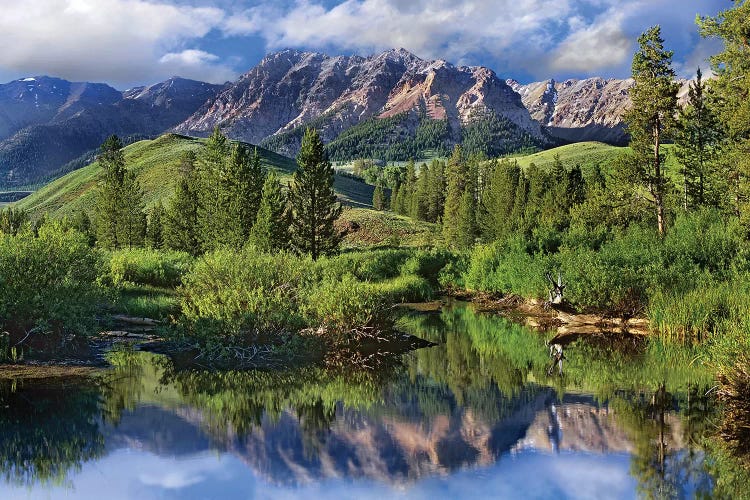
(500, 199)
(155, 227)
(456, 172)
(732, 89)
(213, 194)
(697, 142)
(120, 220)
(242, 190)
(420, 200)
(436, 191)
(379, 201)
(652, 116)
(133, 226)
(312, 199)
(108, 209)
(181, 215)
(466, 220)
(271, 229)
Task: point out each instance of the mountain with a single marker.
(427, 104)
(47, 122)
(591, 109)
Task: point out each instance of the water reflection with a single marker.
(480, 403)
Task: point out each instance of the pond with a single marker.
(476, 416)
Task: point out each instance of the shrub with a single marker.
(427, 264)
(148, 267)
(47, 282)
(236, 294)
(506, 267)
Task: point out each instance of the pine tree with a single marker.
(133, 226)
(731, 88)
(181, 215)
(242, 190)
(312, 199)
(379, 197)
(456, 172)
(652, 116)
(436, 191)
(466, 220)
(108, 209)
(271, 229)
(575, 187)
(155, 227)
(406, 190)
(395, 198)
(420, 200)
(120, 220)
(213, 194)
(81, 222)
(500, 199)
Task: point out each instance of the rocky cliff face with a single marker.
(581, 110)
(289, 89)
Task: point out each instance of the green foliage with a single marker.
(312, 200)
(229, 296)
(507, 268)
(271, 229)
(731, 89)
(47, 282)
(155, 227)
(120, 219)
(492, 136)
(697, 142)
(651, 119)
(142, 266)
(13, 220)
(180, 231)
(236, 297)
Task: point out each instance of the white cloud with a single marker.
(591, 47)
(431, 28)
(197, 64)
(114, 40)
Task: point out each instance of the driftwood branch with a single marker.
(557, 290)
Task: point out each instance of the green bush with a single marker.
(148, 267)
(47, 282)
(506, 267)
(427, 264)
(342, 304)
(236, 294)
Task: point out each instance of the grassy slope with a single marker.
(374, 228)
(156, 165)
(585, 154)
(588, 154)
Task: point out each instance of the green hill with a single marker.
(585, 154)
(156, 163)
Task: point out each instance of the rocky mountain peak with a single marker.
(289, 89)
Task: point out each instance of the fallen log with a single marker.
(136, 321)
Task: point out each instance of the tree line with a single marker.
(224, 198)
(479, 200)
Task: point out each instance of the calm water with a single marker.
(475, 417)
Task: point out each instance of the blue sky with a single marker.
(133, 42)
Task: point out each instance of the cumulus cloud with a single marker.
(431, 28)
(539, 37)
(593, 47)
(113, 40)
